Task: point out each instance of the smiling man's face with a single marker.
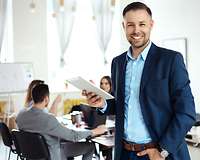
(137, 25)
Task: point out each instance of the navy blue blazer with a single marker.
(166, 100)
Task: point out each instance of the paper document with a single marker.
(83, 84)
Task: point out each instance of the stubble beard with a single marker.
(140, 45)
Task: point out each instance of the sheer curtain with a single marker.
(103, 15)
(84, 56)
(6, 31)
(3, 9)
(64, 14)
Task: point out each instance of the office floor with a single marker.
(4, 151)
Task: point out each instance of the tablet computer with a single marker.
(83, 84)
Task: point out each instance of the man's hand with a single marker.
(93, 99)
(58, 99)
(101, 129)
(55, 104)
(153, 154)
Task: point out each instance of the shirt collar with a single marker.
(143, 54)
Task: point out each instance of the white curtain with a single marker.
(3, 9)
(64, 14)
(103, 15)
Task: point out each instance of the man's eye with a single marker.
(142, 24)
(129, 25)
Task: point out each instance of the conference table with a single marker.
(105, 139)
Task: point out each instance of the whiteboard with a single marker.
(15, 77)
(177, 44)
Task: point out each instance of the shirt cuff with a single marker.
(104, 107)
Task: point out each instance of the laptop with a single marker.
(91, 116)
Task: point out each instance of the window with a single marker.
(83, 56)
(7, 44)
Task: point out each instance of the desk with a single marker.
(193, 135)
(194, 151)
(106, 140)
(66, 121)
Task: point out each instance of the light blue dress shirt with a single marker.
(135, 129)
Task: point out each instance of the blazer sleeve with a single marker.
(110, 110)
(54, 128)
(182, 105)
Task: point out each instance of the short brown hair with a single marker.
(135, 6)
(39, 92)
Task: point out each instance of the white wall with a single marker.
(177, 18)
(29, 30)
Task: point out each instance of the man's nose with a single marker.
(136, 29)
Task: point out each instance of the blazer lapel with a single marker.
(150, 61)
(122, 67)
(122, 71)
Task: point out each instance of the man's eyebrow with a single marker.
(130, 22)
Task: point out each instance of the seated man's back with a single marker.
(34, 119)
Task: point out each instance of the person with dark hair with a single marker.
(106, 84)
(39, 92)
(33, 119)
(28, 95)
(29, 102)
(153, 103)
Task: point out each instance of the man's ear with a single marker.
(152, 23)
(46, 99)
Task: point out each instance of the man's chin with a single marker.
(138, 45)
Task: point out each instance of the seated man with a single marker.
(33, 119)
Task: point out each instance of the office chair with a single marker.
(7, 139)
(31, 145)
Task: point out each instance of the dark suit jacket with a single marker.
(165, 97)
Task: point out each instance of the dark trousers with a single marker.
(131, 155)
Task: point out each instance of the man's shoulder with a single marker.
(35, 119)
(22, 112)
(164, 51)
(32, 112)
(122, 56)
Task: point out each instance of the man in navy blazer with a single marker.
(153, 103)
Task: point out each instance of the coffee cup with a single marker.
(76, 117)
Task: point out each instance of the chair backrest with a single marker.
(31, 145)
(6, 135)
